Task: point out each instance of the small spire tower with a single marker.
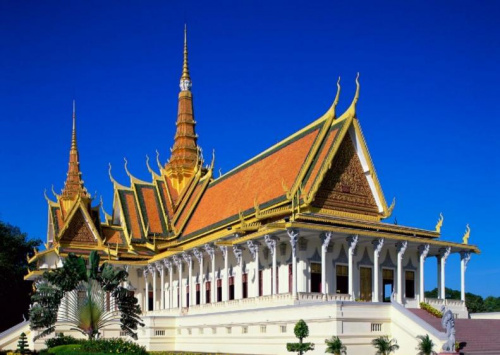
(184, 159)
(73, 187)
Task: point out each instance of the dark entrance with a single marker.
(342, 279)
(410, 284)
(315, 277)
(387, 284)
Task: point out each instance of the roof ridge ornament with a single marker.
(333, 107)
(465, 238)
(439, 223)
(351, 111)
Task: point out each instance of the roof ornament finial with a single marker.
(111, 176)
(151, 171)
(158, 160)
(351, 111)
(73, 133)
(185, 83)
(54, 192)
(126, 169)
(331, 111)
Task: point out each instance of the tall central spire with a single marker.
(184, 159)
(185, 83)
(73, 187)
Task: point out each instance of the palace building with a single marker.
(230, 264)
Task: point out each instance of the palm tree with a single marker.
(384, 345)
(334, 346)
(425, 345)
(90, 294)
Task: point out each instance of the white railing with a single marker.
(437, 302)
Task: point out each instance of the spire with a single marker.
(185, 83)
(73, 186)
(184, 158)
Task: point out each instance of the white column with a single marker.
(271, 244)
(213, 290)
(438, 257)
(189, 262)
(146, 299)
(225, 280)
(401, 247)
(464, 260)
(294, 236)
(253, 246)
(423, 251)
(199, 256)
(160, 268)
(168, 265)
(352, 242)
(325, 240)
(178, 263)
(238, 282)
(377, 248)
(444, 253)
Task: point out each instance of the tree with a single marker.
(89, 292)
(334, 346)
(425, 345)
(384, 345)
(301, 331)
(492, 304)
(14, 291)
(474, 303)
(22, 344)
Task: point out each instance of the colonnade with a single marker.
(185, 259)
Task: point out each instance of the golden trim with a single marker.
(439, 223)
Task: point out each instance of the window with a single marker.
(244, 330)
(219, 290)
(261, 282)
(342, 279)
(263, 329)
(214, 330)
(388, 284)
(198, 294)
(410, 284)
(228, 330)
(207, 292)
(283, 328)
(244, 286)
(231, 288)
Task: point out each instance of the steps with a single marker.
(482, 336)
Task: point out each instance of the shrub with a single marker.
(65, 349)
(112, 346)
(427, 307)
(61, 339)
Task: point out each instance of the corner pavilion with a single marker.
(230, 264)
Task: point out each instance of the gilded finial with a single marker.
(351, 111)
(45, 195)
(213, 160)
(439, 223)
(73, 133)
(126, 169)
(54, 192)
(390, 209)
(185, 83)
(151, 171)
(158, 160)
(111, 176)
(465, 238)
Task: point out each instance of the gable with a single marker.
(345, 186)
(78, 231)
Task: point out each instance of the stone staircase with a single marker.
(481, 336)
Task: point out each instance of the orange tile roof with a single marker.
(167, 205)
(131, 213)
(112, 236)
(150, 207)
(187, 209)
(318, 163)
(261, 179)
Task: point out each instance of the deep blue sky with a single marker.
(261, 70)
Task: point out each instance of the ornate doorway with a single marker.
(365, 282)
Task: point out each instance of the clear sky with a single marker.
(261, 70)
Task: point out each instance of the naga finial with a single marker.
(213, 160)
(111, 176)
(158, 160)
(126, 169)
(331, 110)
(45, 195)
(351, 111)
(439, 223)
(465, 238)
(54, 192)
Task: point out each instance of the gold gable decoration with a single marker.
(345, 186)
(78, 231)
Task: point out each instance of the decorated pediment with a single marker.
(79, 230)
(345, 186)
